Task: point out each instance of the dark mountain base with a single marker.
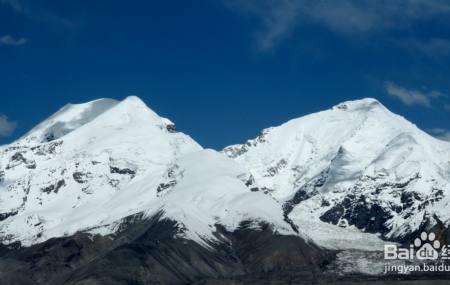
(146, 252)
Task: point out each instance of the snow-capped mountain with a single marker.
(349, 171)
(91, 165)
(356, 169)
(109, 192)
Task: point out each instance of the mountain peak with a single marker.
(74, 116)
(134, 102)
(68, 118)
(361, 104)
(327, 162)
(68, 173)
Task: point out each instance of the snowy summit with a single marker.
(356, 169)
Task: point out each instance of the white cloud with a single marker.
(440, 133)
(435, 47)
(11, 41)
(411, 97)
(39, 13)
(15, 4)
(280, 17)
(6, 126)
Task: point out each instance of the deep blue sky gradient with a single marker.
(197, 63)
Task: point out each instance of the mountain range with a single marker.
(109, 192)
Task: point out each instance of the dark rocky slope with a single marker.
(147, 252)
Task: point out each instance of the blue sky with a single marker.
(222, 70)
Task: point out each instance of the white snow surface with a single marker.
(90, 165)
(212, 191)
(358, 148)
